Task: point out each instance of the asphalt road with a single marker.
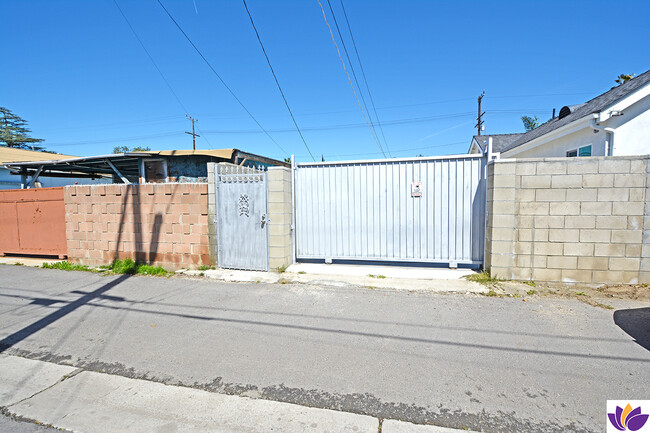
(461, 361)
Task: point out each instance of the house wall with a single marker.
(583, 220)
(160, 224)
(632, 136)
(559, 146)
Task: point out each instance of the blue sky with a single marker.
(77, 74)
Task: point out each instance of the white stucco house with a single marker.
(614, 123)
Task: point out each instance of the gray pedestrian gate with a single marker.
(412, 210)
(241, 218)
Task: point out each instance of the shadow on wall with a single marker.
(144, 253)
(636, 322)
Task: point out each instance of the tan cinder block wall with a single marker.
(583, 220)
(160, 224)
(280, 247)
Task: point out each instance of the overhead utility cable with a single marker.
(354, 74)
(363, 74)
(350, 80)
(276, 81)
(221, 79)
(169, 86)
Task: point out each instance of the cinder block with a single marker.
(525, 168)
(578, 249)
(522, 248)
(576, 276)
(564, 235)
(529, 235)
(627, 236)
(611, 222)
(501, 272)
(501, 247)
(550, 194)
(562, 262)
(524, 221)
(503, 194)
(595, 235)
(613, 194)
(536, 181)
(629, 208)
(548, 249)
(533, 208)
(594, 263)
(614, 166)
(639, 166)
(501, 260)
(503, 234)
(629, 180)
(503, 207)
(549, 275)
(582, 166)
(596, 208)
(523, 195)
(559, 167)
(565, 208)
(549, 222)
(524, 274)
(582, 194)
(633, 250)
(638, 194)
(624, 263)
(502, 221)
(503, 181)
(566, 181)
(504, 167)
(580, 222)
(597, 180)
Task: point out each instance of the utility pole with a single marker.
(479, 123)
(193, 134)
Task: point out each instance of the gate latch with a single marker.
(264, 220)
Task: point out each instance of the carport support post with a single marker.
(38, 173)
(124, 179)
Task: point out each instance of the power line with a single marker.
(169, 86)
(345, 126)
(363, 73)
(349, 79)
(276, 81)
(354, 74)
(221, 79)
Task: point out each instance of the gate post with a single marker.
(212, 212)
(280, 217)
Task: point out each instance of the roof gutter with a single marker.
(609, 148)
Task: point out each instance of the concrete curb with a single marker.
(97, 402)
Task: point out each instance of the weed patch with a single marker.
(204, 268)
(66, 266)
(531, 292)
(130, 267)
(381, 277)
(281, 269)
(482, 278)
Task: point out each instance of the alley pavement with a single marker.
(451, 360)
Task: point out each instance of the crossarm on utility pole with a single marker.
(124, 179)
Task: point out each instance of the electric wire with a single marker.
(349, 79)
(221, 79)
(276, 81)
(354, 74)
(363, 74)
(169, 86)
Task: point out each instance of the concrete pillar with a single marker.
(280, 214)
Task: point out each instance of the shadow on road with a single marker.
(66, 309)
(636, 322)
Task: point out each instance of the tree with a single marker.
(287, 160)
(14, 132)
(530, 123)
(624, 78)
(126, 149)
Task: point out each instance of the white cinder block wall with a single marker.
(583, 220)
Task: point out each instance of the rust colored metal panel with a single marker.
(34, 221)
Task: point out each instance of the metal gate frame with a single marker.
(240, 175)
(478, 216)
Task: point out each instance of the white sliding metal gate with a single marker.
(413, 210)
(241, 218)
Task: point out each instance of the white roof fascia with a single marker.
(569, 128)
(622, 104)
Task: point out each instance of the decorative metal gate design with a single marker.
(241, 218)
(413, 210)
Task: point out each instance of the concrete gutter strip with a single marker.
(97, 402)
(393, 426)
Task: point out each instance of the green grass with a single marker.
(302, 272)
(531, 292)
(128, 266)
(530, 283)
(581, 294)
(281, 269)
(377, 276)
(204, 268)
(66, 266)
(481, 278)
(491, 293)
(605, 306)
